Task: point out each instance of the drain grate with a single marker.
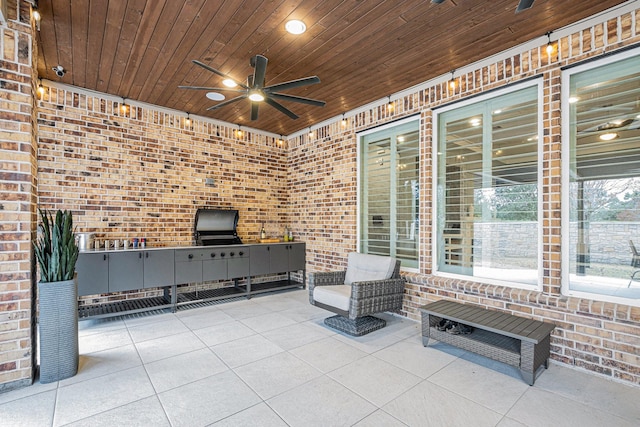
(118, 308)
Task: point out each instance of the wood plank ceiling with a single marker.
(362, 51)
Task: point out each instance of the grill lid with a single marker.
(216, 227)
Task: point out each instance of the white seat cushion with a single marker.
(365, 267)
(337, 296)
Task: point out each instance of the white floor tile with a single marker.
(224, 332)
(276, 374)
(259, 415)
(96, 326)
(183, 369)
(208, 400)
(321, 402)
(295, 335)
(91, 397)
(161, 348)
(104, 341)
(105, 362)
(380, 418)
(267, 322)
(481, 385)
(142, 413)
(430, 405)
(541, 408)
(328, 354)
(246, 350)
(149, 331)
(205, 319)
(376, 380)
(35, 410)
(244, 309)
(413, 357)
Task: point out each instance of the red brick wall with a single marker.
(18, 195)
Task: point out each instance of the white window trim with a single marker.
(434, 177)
(359, 136)
(566, 153)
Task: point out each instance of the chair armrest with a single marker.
(376, 296)
(329, 278)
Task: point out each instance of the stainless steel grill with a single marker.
(216, 227)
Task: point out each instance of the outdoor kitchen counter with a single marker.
(106, 271)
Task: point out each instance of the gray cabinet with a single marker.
(93, 273)
(188, 265)
(126, 271)
(159, 268)
(277, 258)
(197, 265)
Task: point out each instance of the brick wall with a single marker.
(597, 336)
(17, 198)
(141, 173)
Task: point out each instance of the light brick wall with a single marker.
(596, 336)
(142, 174)
(17, 198)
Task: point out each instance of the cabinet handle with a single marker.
(104, 257)
(140, 255)
(268, 248)
(146, 254)
(190, 256)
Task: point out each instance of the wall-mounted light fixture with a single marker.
(343, 122)
(239, 132)
(187, 120)
(389, 104)
(452, 81)
(40, 89)
(549, 47)
(124, 108)
(36, 16)
(281, 141)
(310, 133)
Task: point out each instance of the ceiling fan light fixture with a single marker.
(295, 26)
(256, 97)
(229, 83)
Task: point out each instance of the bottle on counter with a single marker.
(263, 233)
(290, 235)
(285, 236)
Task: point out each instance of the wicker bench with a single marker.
(517, 341)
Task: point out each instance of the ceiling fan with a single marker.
(256, 91)
(522, 4)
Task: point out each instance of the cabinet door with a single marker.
(159, 268)
(279, 257)
(93, 273)
(238, 263)
(297, 256)
(259, 260)
(126, 271)
(188, 266)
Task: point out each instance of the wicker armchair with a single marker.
(365, 297)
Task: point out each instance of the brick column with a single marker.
(18, 185)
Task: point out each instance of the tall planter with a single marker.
(58, 330)
(57, 252)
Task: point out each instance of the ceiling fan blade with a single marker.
(225, 103)
(211, 88)
(293, 83)
(299, 99)
(280, 108)
(220, 73)
(524, 5)
(254, 110)
(260, 64)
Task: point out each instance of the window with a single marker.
(602, 183)
(487, 187)
(388, 199)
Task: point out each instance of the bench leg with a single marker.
(527, 362)
(425, 329)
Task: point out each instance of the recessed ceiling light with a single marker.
(229, 83)
(215, 96)
(295, 26)
(608, 136)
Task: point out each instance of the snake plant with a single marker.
(56, 248)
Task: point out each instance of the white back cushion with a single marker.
(365, 267)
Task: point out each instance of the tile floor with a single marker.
(270, 361)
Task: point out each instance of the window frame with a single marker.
(534, 82)
(359, 175)
(566, 131)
